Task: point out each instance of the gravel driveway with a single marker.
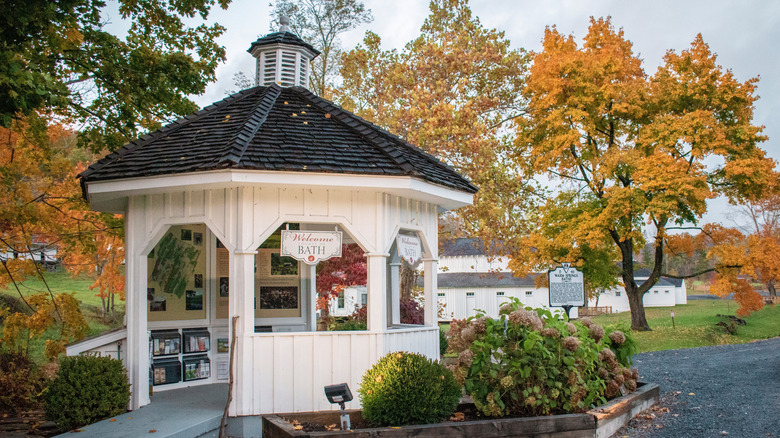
(726, 390)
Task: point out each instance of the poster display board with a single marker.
(176, 275)
(277, 285)
(567, 287)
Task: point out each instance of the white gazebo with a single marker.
(204, 196)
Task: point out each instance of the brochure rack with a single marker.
(196, 340)
(197, 367)
(179, 355)
(165, 371)
(165, 342)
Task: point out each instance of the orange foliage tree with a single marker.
(452, 91)
(629, 149)
(41, 208)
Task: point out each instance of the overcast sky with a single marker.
(745, 35)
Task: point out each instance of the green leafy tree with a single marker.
(630, 148)
(58, 57)
(320, 23)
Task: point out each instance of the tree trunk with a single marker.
(408, 278)
(637, 306)
(770, 285)
(104, 306)
(633, 291)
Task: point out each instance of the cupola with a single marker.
(282, 58)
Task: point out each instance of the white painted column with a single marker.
(395, 292)
(241, 304)
(135, 304)
(376, 265)
(312, 278)
(430, 285)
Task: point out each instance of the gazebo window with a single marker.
(278, 281)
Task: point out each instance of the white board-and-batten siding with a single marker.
(242, 218)
(292, 369)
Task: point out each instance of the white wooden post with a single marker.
(241, 303)
(312, 277)
(135, 296)
(395, 291)
(430, 286)
(377, 287)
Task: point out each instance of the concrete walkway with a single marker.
(180, 413)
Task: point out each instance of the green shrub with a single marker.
(349, 325)
(20, 382)
(86, 389)
(534, 362)
(444, 344)
(407, 388)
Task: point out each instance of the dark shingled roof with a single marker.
(462, 247)
(282, 38)
(277, 129)
(479, 279)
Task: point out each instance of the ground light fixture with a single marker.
(340, 394)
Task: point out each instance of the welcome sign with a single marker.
(311, 247)
(409, 249)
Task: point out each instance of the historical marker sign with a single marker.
(311, 246)
(566, 287)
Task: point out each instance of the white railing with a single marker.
(291, 369)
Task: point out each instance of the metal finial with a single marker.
(285, 22)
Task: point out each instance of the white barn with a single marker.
(667, 292)
(471, 281)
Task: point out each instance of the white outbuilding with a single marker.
(208, 201)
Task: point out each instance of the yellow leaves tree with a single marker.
(632, 153)
(41, 206)
(452, 91)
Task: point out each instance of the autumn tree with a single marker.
(336, 274)
(628, 150)
(763, 237)
(452, 91)
(59, 57)
(321, 23)
(39, 200)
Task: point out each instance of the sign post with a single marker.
(311, 247)
(566, 287)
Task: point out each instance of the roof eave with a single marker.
(111, 195)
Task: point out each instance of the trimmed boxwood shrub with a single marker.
(87, 389)
(532, 362)
(444, 344)
(408, 388)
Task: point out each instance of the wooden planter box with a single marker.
(601, 422)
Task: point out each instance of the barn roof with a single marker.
(490, 279)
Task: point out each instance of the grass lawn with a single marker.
(59, 282)
(695, 325)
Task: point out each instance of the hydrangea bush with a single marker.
(533, 362)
